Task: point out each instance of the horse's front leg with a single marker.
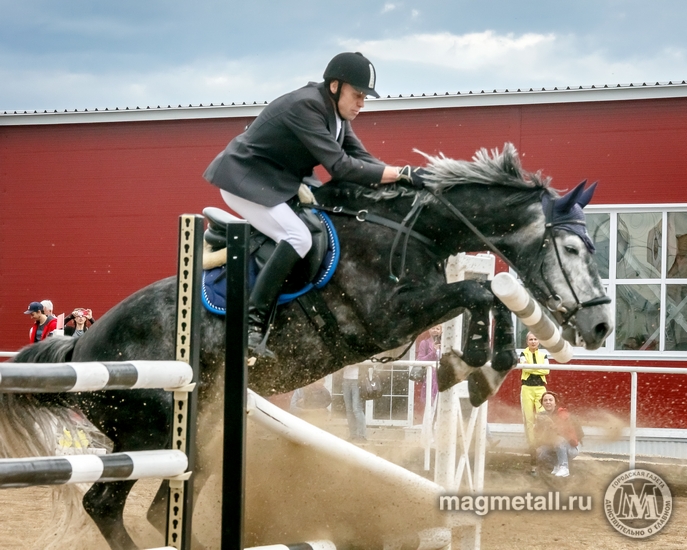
(456, 366)
(476, 348)
(414, 309)
(486, 381)
(504, 357)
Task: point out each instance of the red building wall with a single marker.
(88, 212)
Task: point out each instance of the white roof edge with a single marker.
(471, 99)
(532, 97)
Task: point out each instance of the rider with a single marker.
(263, 167)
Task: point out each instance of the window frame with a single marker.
(611, 283)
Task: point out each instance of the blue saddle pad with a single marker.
(214, 286)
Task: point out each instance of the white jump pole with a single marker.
(526, 308)
(302, 433)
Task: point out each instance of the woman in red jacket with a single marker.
(557, 435)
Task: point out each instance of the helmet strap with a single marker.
(335, 95)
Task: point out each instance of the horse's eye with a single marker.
(571, 250)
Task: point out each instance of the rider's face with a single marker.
(351, 101)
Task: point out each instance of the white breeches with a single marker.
(279, 223)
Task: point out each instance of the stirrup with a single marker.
(261, 349)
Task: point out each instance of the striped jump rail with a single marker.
(93, 376)
(520, 302)
(50, 470)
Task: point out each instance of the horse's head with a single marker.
(566, 279)
(556, 263)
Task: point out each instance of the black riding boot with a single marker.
(265, 293)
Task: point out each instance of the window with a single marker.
(393, 408)
(642, 260)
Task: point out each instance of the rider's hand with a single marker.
(305, 195)
(414, 176)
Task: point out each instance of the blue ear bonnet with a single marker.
(566, 212)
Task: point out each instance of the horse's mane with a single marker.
(486, 168)
(502, 168)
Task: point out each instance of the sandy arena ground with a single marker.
(27, 515)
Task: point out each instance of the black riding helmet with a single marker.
(353, 68)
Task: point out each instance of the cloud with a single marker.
(388, 7)
(415, 63)
(464, 52)
(491, 60)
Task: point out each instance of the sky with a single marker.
(88, 54)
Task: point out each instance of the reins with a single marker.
(405, 228)
(404, 231)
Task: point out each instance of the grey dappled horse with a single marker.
(389, 287)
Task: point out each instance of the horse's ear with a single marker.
(570, 199)
(586, 197)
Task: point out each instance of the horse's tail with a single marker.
(56, 349)
(29, 423)
(36, 425)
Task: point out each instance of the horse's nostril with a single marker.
(602, 330)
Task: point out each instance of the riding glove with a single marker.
(413, 175)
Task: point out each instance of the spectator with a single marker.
(558, 435)
(532, 388)
(355, 412)
(311, 401)
(43, 325)
(428, 349)
(47, 307)
(81, 318)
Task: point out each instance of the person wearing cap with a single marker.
(43, 325)
(262, 168)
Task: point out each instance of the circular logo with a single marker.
(638, 503)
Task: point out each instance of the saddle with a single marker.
(314, 270)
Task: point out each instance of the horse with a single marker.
(388, 288)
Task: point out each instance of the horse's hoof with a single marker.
(503, 361)
(451, 371)
(478, 388)
(445, 377)
(483, 383)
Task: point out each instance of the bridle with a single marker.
(554, 302)
(404, 230)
